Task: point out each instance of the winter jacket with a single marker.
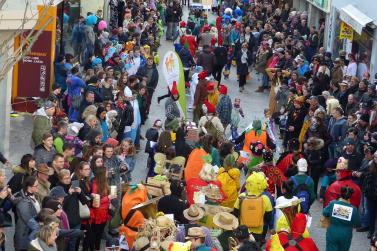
(336, 74)
(100, 215)
(173, 14)
(215, 121)
(98, 96)
(221, 54)
(153, 81)
(25, 211)
(19, 175)
(230, 183)
(337, 129)
(61, 75)
(207, 60)
(41, 125)
(201, 92)
(172, 204)
(171, 110)
(113, 168)
(42, 155)
(126, 118)
(224, 109)
(243, 68)
(75, 84)
(186, 58)
(39, 245)
(43, 190)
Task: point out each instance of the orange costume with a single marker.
(132, 219)
(195, 163)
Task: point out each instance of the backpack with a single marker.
(302, 192)
(211, 129)
(251, 211)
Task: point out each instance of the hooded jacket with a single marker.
(42, 124)
(229, 177)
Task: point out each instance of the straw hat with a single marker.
(193, 213)
(213, 192)
(225, 221)
(163, 222)
(215, 209)
(141, 243)
(195, 232)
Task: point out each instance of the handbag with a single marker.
(6, 220)
(84, 211)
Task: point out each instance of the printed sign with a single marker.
(342, 212)
(346, 31)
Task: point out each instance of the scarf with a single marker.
(244, 57)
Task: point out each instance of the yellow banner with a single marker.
(346, 31)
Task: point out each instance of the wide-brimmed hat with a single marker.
(43, 168)
(225, 221)
(193, 213)
(195, 232)
(213, 192)
(141, 243)
(163, 222)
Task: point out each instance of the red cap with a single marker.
(210, 86)
(210, 108)
(223, 89)
(182, 24)
(202, 75)
(206, 28)
(174, 90)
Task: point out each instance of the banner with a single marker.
(172, 69)
(346, 31)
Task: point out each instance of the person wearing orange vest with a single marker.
(255, 134)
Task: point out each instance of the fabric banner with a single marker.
(346, 31)
(172, 70)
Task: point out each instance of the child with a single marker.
(224, 108)
(141, 99)
(237, 113)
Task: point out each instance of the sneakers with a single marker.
(260, 89)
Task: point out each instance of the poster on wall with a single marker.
(34, 70)
(346, 31)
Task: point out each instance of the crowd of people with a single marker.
(209, 184)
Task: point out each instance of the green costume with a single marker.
(343, 218)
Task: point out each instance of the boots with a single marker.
(260, 89)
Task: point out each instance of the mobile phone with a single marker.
(75, 184)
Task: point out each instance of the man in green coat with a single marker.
(42, 122)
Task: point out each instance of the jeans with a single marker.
(265, 81)
(171, 31)
(71, 244)
(364, 213)
(372, 209)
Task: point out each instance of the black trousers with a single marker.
(88, 238)
(242, 80)
(97, 230)
(217, 70)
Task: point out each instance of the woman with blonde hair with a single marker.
(127, 153)
(46, 238)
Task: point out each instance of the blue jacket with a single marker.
(74, 84)
(338, 129)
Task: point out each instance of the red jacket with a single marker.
(191, 42)
(297, 229)
(100, 215)
(333, 191)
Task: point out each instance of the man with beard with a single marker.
(295, 119)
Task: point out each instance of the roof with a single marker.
(354, 18)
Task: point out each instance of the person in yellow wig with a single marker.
(253, 207)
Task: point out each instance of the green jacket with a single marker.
(41, 125)
(301, 180)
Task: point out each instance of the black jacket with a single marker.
(221, 55)
(171, 204)
(126, 118)
(243, 68)
(71, 205)
(186, 58)
(151, 83)
(173, 14)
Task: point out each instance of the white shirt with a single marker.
(351, 69)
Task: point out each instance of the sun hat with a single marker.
(302, 165)
(193, 213)
(213, 192)
(195, 232)
(43, 168)
(141, 243)
(163, 222)
(225, 221)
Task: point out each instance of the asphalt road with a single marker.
(253, 105)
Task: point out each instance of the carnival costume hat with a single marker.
(257, 148)
(268, 155)
(256, 183)
(174, 90)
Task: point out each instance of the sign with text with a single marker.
(346, 31)
(34, 70)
